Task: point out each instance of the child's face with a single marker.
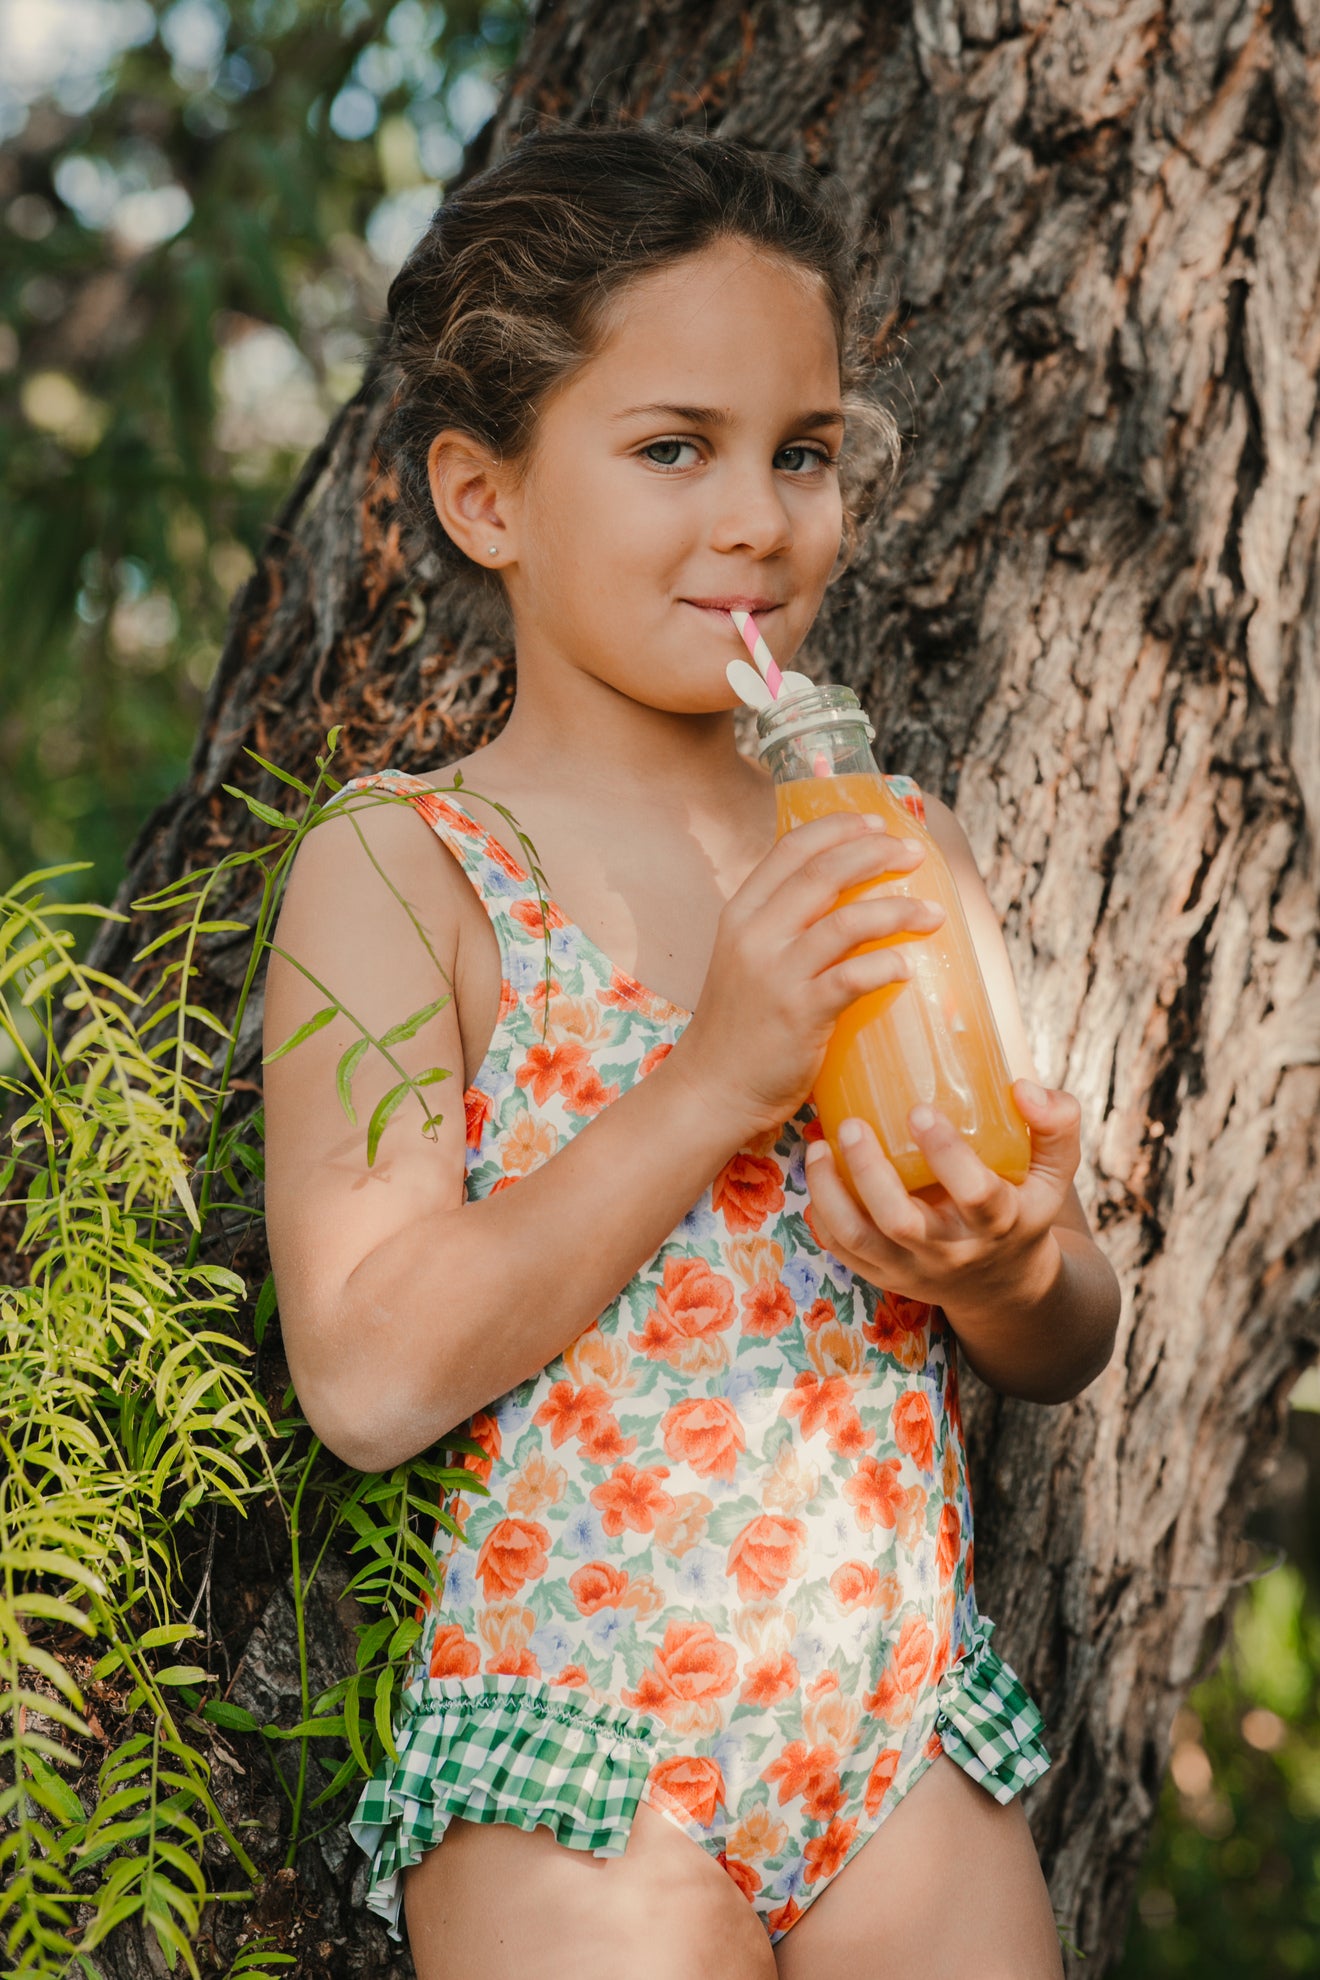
(628, 517)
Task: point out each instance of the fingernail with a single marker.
(1030, 1091)
(850, 1133)
(876, 824)
(922, 1118)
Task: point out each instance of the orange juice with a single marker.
(932, 1038)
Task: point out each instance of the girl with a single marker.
(704, 1684)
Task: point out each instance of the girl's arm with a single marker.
(1033, 1301)
(405, 1308)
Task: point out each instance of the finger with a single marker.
(878, 1187)
(985, 1202)
(836, 1219)
(1055, 1121)
(814, 888)
(794, 849)
(856, 927)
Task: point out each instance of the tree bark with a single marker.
(1088, 619)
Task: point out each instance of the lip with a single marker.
(757, 606)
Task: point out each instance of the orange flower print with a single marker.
(949, 1470)
(679, 1531)
(770, 1679)
(504, 860)
(534, 918)
(527, 1144)
(749, 1189)
(538, 1484)
(813, 1773)
(632, 1498)
(598, 1586)
(759, 1834)
(505, 1629)
(453, 1655)
(653, 1058)
(767, 1308)
(825, 1855)
(627, 994)
(899, 1327)
(837, 1350)
(854, 1585)
(875, 1493)
(476, 1111)
(513, 1552)
(693, 1783)
(593, 1357)
(692, 1306)
(691, 1670)
(819, 1312)
(913, 1428)
(550, 1069)
(952, 1405)
(766, 1554)
(484, 1430)
(432, 807)
(588, 1415)
(934, 1747)
(586, 1092)
(911, 1515)
(783, 1916)
(826, 1403)
(572, 1674)
(881, 1779)
(909, 1662)
(706, 1433)
(747, 1879)
(946, 1547)
(508, 1000)
(828, 1717)
(603, 1442)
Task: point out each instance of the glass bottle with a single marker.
(933, 1037)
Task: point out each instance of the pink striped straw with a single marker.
(762, 658)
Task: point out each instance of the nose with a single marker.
(750, 515)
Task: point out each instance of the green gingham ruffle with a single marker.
(499, 1749)
(988, 1722)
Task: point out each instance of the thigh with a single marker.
(949, 1885)
(512, 1904)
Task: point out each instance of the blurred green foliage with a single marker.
(1230, 1889)
(200, 208)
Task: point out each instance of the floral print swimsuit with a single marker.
(725, 1564)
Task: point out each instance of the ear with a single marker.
(470, 489)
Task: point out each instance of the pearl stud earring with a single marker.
(494, 550)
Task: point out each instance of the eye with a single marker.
(811, 458)
(670, 447)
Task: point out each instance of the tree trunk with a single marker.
(1088, 619)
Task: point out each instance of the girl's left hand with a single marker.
(973, 1240)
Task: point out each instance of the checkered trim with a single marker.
(989, 1723)
(496, 1750)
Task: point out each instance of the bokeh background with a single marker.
(201, 206)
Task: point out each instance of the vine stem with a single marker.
(300, 1627)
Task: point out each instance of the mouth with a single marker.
(758, 607)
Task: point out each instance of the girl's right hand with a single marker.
(783, 968)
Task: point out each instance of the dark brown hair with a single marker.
(506, 293)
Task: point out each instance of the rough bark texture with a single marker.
(1089, 620)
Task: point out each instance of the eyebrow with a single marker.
(717, 416)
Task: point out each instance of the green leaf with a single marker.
(284, 776)
(384, 1726)
(385, 1106)
(344, 1072)
(183, 1674)
(233, 1718)
(410, 1026)
(167, 1633)
(266, 1302)
(314, 1023)
(265, 812)
(54, 1793)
